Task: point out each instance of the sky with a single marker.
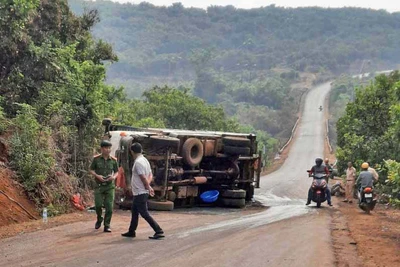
(389, 5)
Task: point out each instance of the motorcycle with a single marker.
(366, 199)
(318, 188)
(337, 189)
(320, 108)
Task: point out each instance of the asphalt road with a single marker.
(286, 234)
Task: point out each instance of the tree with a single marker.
(367, 131)
(178, 109)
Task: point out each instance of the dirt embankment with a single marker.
(10, 211)
(15, 206)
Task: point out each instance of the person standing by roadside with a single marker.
(104, 168)
(350, 179)
(373, 171)
(141, 189)
(330, 168)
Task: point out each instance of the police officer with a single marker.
(104, 168)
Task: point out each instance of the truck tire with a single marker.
(163, 142)
(233, 202)
(236, 141)
(236, 151)
(192, 151)
(233, 193)
(160, 205)
(171, 196)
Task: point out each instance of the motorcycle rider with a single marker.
(319, 168)
(320, 108)
(365, 179)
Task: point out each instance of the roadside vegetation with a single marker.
(343, 92)
(369, 130)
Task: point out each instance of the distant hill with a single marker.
(156, 44)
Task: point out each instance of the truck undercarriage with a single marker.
(188, 163)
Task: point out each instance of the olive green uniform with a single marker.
(104, 192)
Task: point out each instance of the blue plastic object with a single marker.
(209, 196)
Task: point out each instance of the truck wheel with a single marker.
(236, 141)
(192, 151)
(160, 205)
(233, 202)
(171, 196)
(233, 193)
(163, 142)
(236, 151)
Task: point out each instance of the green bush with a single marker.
(393, 179)
(30, 148)
(3, 120)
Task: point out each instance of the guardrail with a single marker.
(296, 124)
(291, 136)
(327, 137)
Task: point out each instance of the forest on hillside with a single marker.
(250, 62)
(167, 44)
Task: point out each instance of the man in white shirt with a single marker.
(141, 189)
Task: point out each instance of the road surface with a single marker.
(286, 234)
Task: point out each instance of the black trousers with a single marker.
(139, 206)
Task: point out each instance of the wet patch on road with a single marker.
(280, 208)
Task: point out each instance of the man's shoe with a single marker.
(157, 235)
(97, 225)
(330, 204)
(346, 200)
(129, 234)
(350, 201)
(308, 203)
(107, 229)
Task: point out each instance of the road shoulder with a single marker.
(365, 240)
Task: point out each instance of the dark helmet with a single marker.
(319, 161)
(105, 143)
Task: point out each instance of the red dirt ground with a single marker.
(11, 213)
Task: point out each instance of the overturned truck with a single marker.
(187, 163)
